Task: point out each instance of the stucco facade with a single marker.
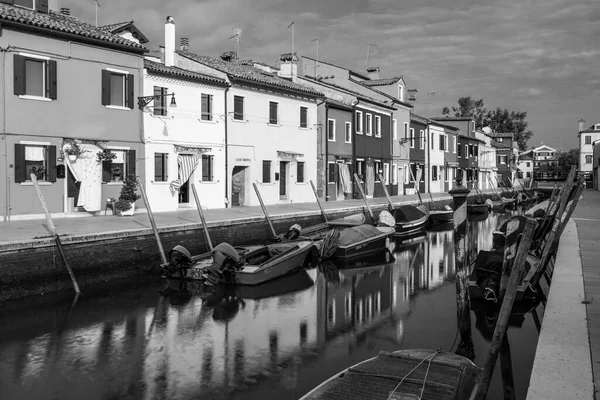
(71, 108)
(586, 138)
(438, 141)
(417, 141)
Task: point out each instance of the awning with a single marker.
(289, 155)
(196, 150)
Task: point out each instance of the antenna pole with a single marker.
(293, 28)
(369, 54)
(317, 61)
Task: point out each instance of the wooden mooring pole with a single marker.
(387, 194)
(52, 229)
(362, 192)
(318, 200)
(161, 250)
(201, 212)
(463, 302)
(262, 205)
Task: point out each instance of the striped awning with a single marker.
(196, 150)
(187, 165)
(289, 154)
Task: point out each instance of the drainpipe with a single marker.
(226, 152)
(428, 160)
(5, 152)
(326, 157)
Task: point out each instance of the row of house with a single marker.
(176, 118)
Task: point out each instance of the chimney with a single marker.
(412, 95)
(185, 44)
(288, 68)
(65, 10)
(581, 124)
(161, 49)
(229, 56)
(169, 42)
(53, 5)
(373, 72)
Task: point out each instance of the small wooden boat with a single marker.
(410, 219)
(499, 205)
(441, 216)
(402, 375)
(363, 239)
(321, 229)
(243, 266)
(368, 260)
(498, 234)
(478, 208)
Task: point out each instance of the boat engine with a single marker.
(226, 263)
(180, 259)
(293, 233)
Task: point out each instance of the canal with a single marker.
(145, 339)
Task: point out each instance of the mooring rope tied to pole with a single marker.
(428, 358)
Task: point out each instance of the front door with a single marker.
(283, 179)
(72, 188)
(238, 186)
(184, 193)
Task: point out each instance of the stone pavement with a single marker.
(25, 230)
(587, 218)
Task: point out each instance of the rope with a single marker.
(428, 358)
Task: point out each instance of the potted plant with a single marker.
(73, 150)
(39, 171)
(125, 205)
(105, 155)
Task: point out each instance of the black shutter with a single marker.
(51, 82)
(238, 107)
(51, 164)
(266, 178)
(41, 6)
(20, 172)
(130, 91)
(106, 171)
(105, 87)
(19, 74)
(131, 160)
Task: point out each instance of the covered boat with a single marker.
(478, 208)
(410, 219)
(441, 216)
(404, 374)
(363, 239)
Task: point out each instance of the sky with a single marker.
(539, 56)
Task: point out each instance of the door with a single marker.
(238, 186)
(283, 179)
(184, 192)
(72, 188)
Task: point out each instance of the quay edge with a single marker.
(34, 267)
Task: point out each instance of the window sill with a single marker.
(161, 117)
(378, 136)
(274, 125)
(164, 183)
(206, 121)
(239, 121)
(118, 108)
(113, 183)
(37, 98)
(267, 183)
(348, 142)
(330, 140)
(359, 132)
(29, 183)
(304, 128)
(208, 182)
(369, 134)
(301, 183)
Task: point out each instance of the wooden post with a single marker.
(153, 223)
(506, 309)
(463, 302)
(318, 200)
(493, 189)
(510, 248)
(362, 192)
(201, 212)
(52, 229)
(387, 194)
(262, 205)
(416, 187)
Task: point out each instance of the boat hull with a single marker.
(409, 227)
(478, 208)
(441, 217)
(369, 245)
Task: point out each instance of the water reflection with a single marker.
(178, 341)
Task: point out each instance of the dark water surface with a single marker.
(127, 341)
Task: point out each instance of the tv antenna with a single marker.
(237, 33)
(317, 60)
(369, 53)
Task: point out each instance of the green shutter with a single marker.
(19, 74)
(41, 6)
(130, 91)
(51, 164)
(105, 87)
(131, 160)
(51, 82)
(20, 172)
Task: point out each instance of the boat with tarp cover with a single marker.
(410, 219)
(403, 375)
(363, 239)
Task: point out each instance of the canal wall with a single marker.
(34, 267)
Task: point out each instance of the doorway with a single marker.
(238, 186)
(72, 190)
(184, 193)
(283, 167)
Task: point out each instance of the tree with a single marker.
(468, 107)
(568, 158)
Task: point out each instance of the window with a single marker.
(303, 117)
(400, 93)
(406, 130)
(472, 125)
(406, 175)
(273, 113)
(206, 106)
(300, 172)
(466, 150)
(528, 164)
(207, 168)
(161, 167)
(34, 76)
(38, 5)
(459, 151)
(266, 172)
(386, 173)
(360, 169)
(434, 172)
(441, 141)
(432, 140)
(378, 170)
(331, 172)
(37, 159)
(377, 126)
(369, 127)
(348, 132)
(24, 3)
(422, 140)
(447, 174)
(502, 159)
(412, 138)
(331, 130)
(588, 159)
(588, 139)
(238, 108)
(454, 143)
(528, 174)
(116, 169)
(160, 101)
(499, 140)
(359, 122)
(394, 129)
(446, 143)
(117, 89)
(394, 174)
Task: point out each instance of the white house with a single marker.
(270, 125)
(587, 136)
(486, 160)
(184, 135)
(437, 143)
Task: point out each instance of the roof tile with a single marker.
(155, 67)
(381, 82)
(352, 92)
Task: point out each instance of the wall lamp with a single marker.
(143, 101)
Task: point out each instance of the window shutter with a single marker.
(51, 83)
(41, 6)
(19, 74)
(105, 87)
(20, 172)
(130, 90)
(131, 159)
(106, 171)
(51, 164)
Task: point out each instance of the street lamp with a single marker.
(143, 101)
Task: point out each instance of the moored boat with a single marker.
(404, 374)
(410, 219)
(364, 239)
(441, 216)
(478, 208)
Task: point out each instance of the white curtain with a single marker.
(370, 179)
(187, 165)
(345, 180)
(87, 170)
(34, 153)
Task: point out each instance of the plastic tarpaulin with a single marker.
(370, 180)
(345, 180)
(355, 234)
(87, 170)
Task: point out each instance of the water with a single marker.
(126, 341)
